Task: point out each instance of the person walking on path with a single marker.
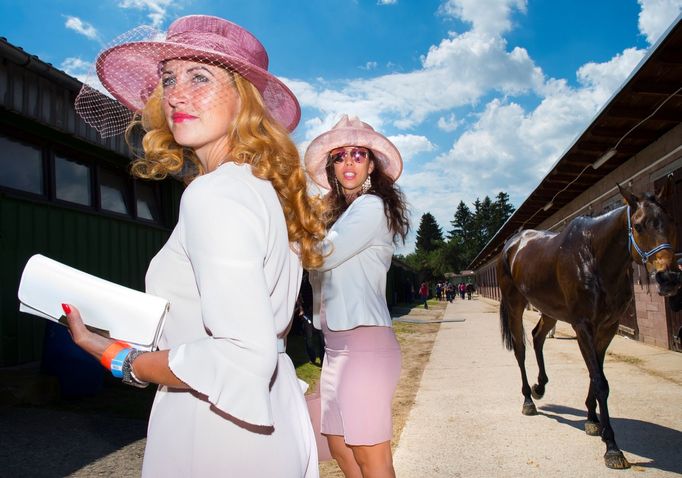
(424, 294)
(366, 215)
(209, 110)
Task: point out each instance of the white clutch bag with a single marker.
(106, 308)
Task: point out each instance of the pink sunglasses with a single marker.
(359, 155)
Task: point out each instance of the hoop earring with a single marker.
(366, 185)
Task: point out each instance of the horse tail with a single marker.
(506, 284)
(505, 329)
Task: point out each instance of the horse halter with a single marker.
(643, 255)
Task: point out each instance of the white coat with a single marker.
(352, 281)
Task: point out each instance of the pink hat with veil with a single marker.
(351, 132)
(130, 70)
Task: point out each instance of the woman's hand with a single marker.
(89, 341)
(149, 367)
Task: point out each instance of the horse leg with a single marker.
(540, 332)
(514, 305)
(592, 427)
(593, 350)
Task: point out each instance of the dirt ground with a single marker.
(416, 340)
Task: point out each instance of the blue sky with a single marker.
(479, 95)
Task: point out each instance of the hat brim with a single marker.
(130, 72)
(384, 150)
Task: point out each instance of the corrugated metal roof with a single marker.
(39, 91)
(652, 85)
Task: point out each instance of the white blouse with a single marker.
(352, 281)
(232, 280)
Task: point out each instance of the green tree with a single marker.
(502, 210)
(429, 234)
(461, 224)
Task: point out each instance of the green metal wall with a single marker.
(114, 249)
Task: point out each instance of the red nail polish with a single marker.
(66, 308)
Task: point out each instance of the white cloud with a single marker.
(410, 145)
(511, 149)
(158, 9)
(449, 123)
(370, 65)
(608, 76)
(457, 72)
(655, 17)
(387, 2)
(488, 16)
(84, 28)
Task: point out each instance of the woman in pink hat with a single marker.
(228, 401)
(366, 216)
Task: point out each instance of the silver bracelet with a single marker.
(129, 377)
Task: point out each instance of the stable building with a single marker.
(635, 140)
(66, 193)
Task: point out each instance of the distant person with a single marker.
(448, 291)
(424, 294)
(366, 215)
(470, 290)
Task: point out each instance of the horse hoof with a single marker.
(534, 392)
(592, 429)
(616, 460)
(529, 409)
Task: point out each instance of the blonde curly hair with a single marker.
(256, 139)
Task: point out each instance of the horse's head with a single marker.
(653, 236)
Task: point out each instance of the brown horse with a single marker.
(582, 276)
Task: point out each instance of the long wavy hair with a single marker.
(256, 139)
(395, 207)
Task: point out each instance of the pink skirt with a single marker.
(359, 377)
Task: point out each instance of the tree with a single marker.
(429, 234)
(461, 224)
(502, 210)
(471, 230)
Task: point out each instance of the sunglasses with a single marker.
(359, 155)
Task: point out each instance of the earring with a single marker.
(366, 185)
(336, 184)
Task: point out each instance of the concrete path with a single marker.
(467, 419)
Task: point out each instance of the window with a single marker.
(73, 181)
(22, 166)
(147, 201)
(113, 192)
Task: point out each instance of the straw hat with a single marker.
(351, 132)
(130, 70)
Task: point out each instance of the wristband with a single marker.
(117, 362)
(111, 352)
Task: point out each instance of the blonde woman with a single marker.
(228, 402)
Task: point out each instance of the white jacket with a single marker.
(353, 278)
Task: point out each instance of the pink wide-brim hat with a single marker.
(130, 71)
(351, 132)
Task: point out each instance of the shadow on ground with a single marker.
(48, 443)
(63, 436)
(660, 444)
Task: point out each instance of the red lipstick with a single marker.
(180, 117)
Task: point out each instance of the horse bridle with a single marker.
(644, 255)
